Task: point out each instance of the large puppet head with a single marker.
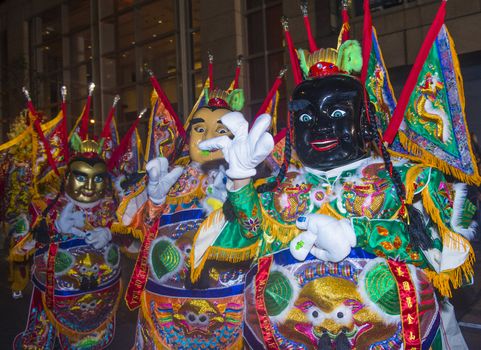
(327, 104)
(327, 113)
(206, 123)
(87, 179)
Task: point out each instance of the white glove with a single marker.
(70, 221)
(248, 148)
(325, 237)
(160, 179)
(98, 237)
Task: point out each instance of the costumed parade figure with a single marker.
(18, 192)
(166, 213)
(348, 249)
(76, 266)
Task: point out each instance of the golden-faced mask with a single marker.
(206, 124)
(86, 183)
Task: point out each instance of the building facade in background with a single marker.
(108, 42)
(44, 44)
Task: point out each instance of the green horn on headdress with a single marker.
(206, 95)
(76, 142)
(101, 145)
(303, 62)
(349, 57)
(236, 99)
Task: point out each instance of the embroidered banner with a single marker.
(380, 91)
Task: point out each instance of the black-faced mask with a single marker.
(327, 115)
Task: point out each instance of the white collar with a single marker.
(339, 170)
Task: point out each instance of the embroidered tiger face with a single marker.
(330, 310)
(199, 317)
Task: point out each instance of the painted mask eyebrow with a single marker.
(298, 105)
(79, 173)
(346, 96)
(197, 121)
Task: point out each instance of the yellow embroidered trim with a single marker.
(446, 280)
(232, 255)
(411, 176)
(327, 209)
(453, 240)
(118, 228)
(33, 161)
(284, 233)
(185, 198)
(50, 182)
(182, 161)
(449, 238)
(431, 160)
(140, 151)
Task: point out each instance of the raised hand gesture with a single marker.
(160, 179)
(247, 149)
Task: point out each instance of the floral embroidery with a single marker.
(251, 224)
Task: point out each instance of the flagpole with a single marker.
(118, 152)
(38, 128)
(398, 115)
(63, 92)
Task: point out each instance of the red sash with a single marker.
(409, 305)
(50, 278)
(262, 276)
(141, 270)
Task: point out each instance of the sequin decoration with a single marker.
(329, 305)
(291, 199)
(188, 323)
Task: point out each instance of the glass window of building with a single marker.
(109, 42)
(46, 65)
(265, 53)
(147, 34)
(79, 62)
(377, 5)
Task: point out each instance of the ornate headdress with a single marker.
(85, 148)
(54, 137)
(232, 98)
(312, 63)
(167, 134)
